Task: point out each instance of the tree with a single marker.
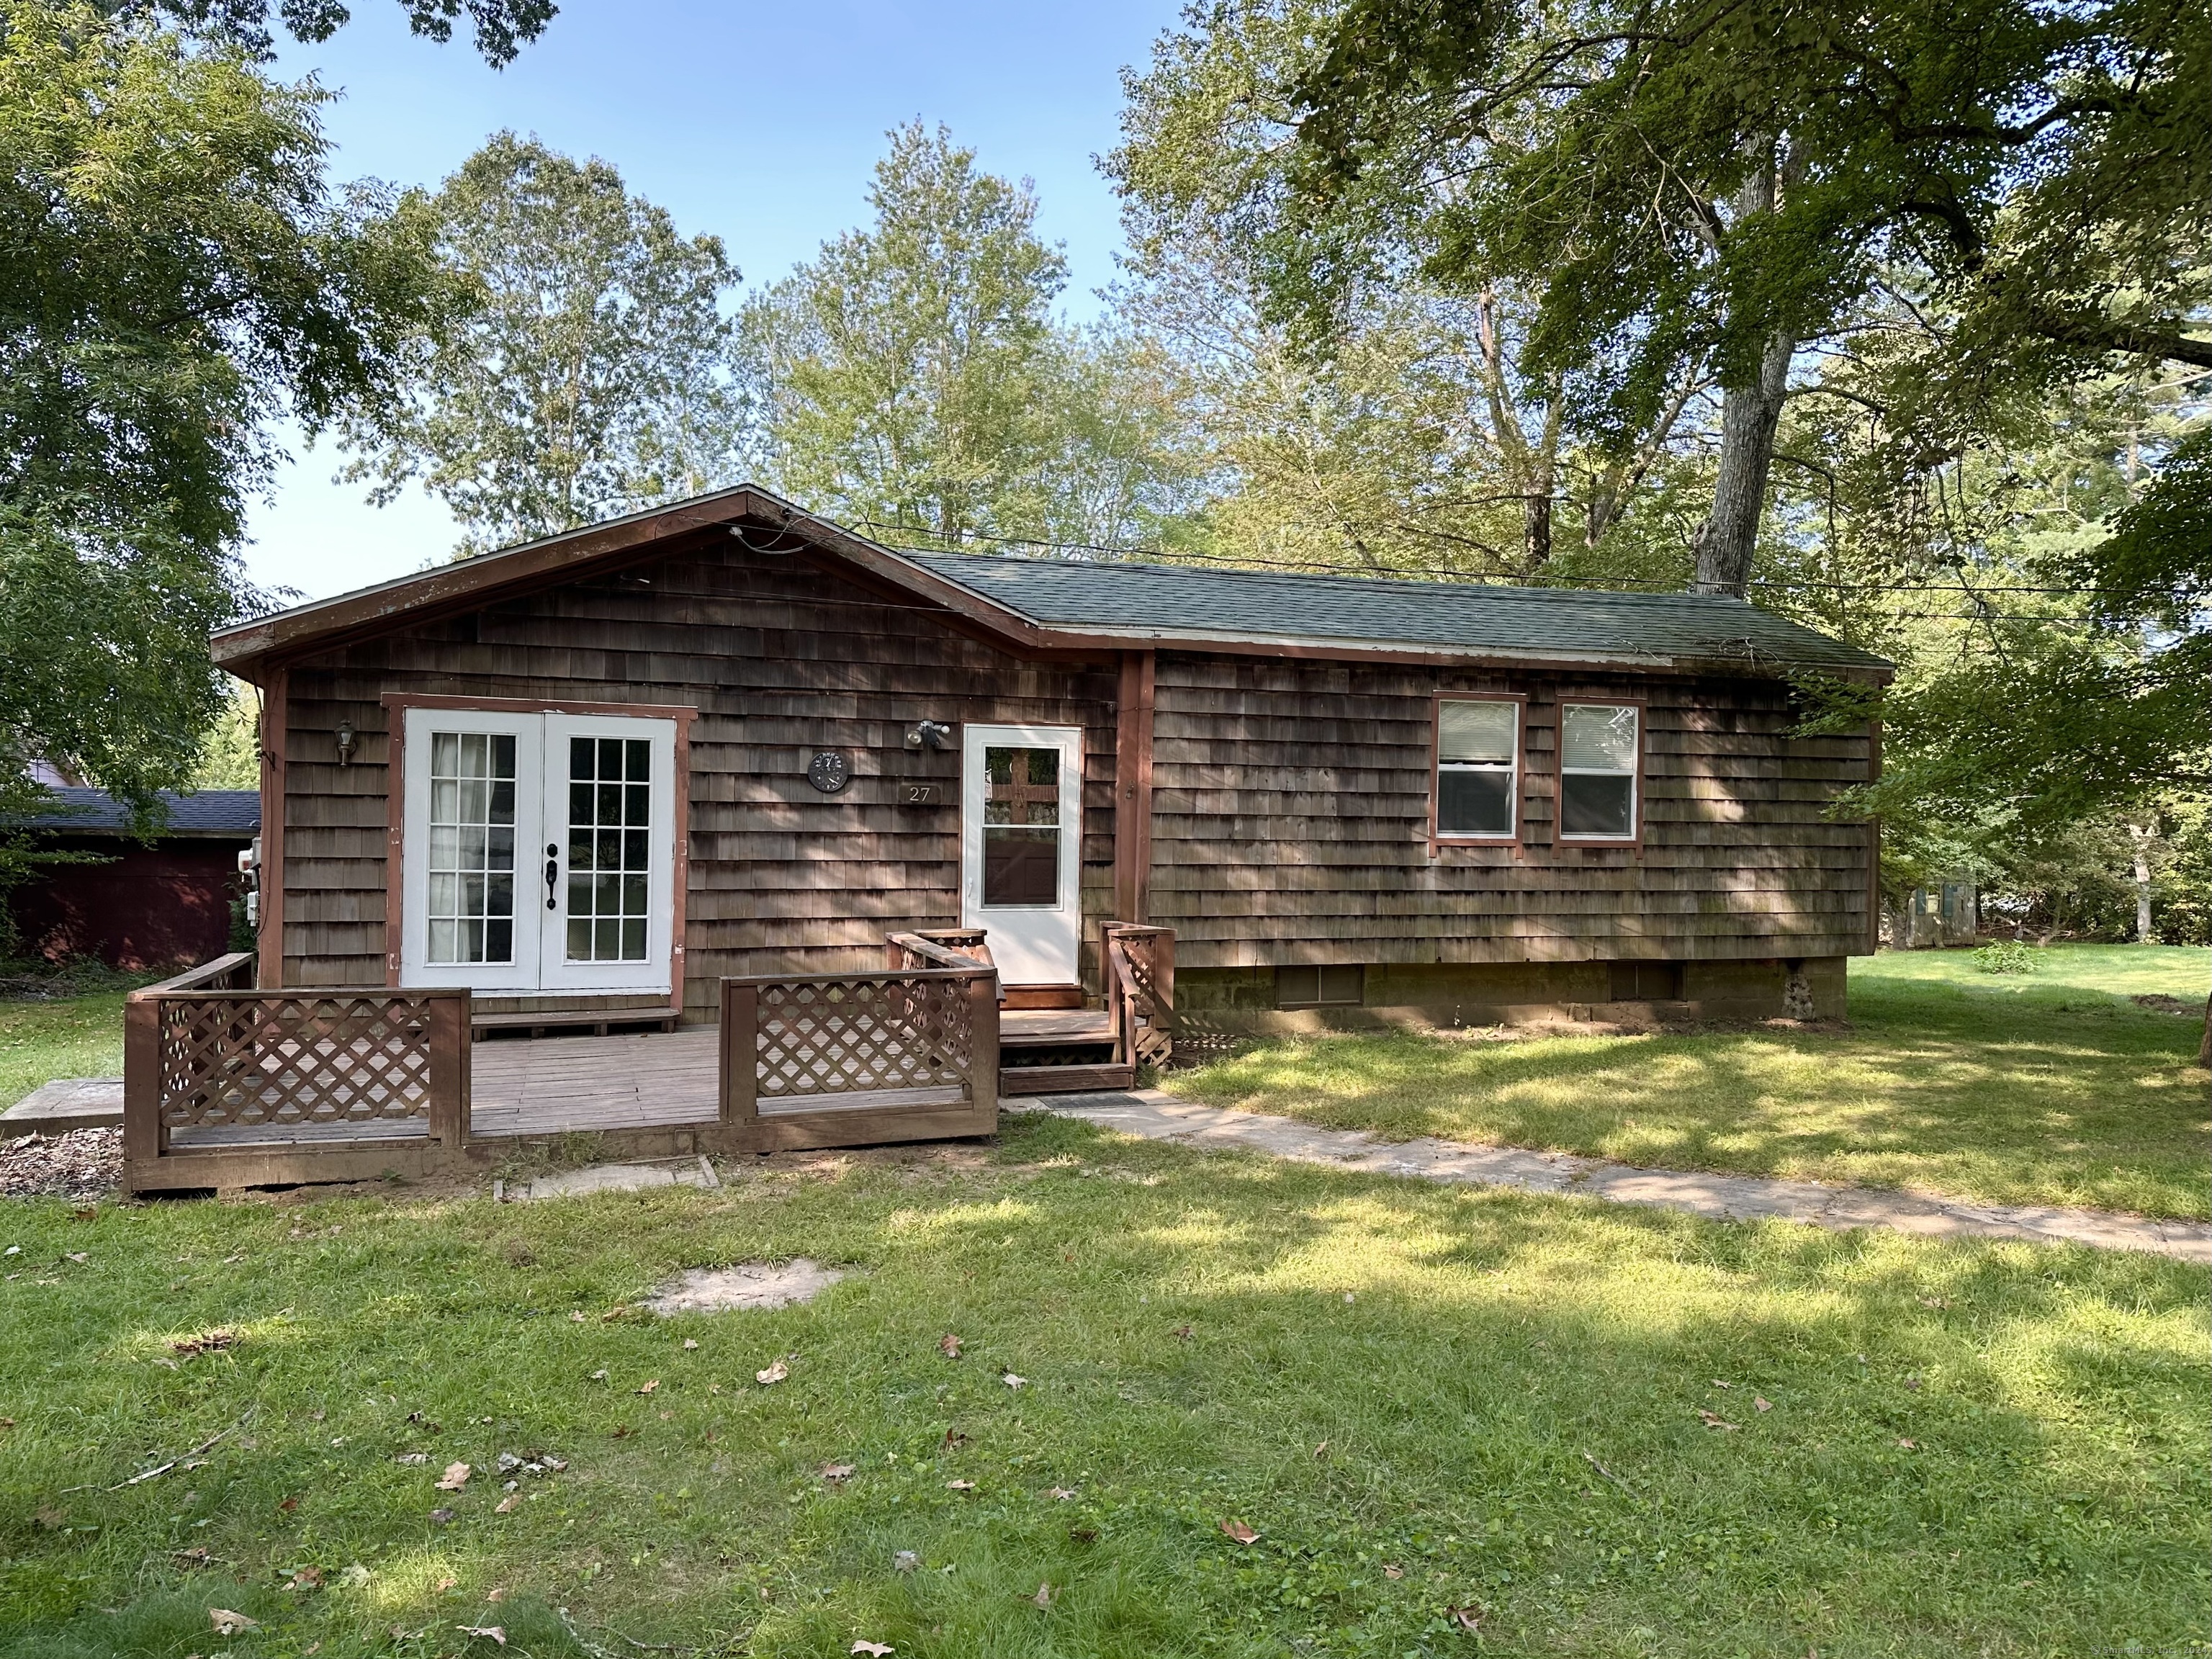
(585, 371)
(502, 28)
(1733, 182)
(905, 371)
(1410, 437)
(174, 270)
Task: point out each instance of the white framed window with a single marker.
(1478, 786)
(1600, 770)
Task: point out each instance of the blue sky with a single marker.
(759, 122)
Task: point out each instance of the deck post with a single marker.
(982, 993)
(740, 1052)
(450, 1040)
(142, 1084)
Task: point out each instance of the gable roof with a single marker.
(216, 814)
(1033, 603)
(1175, 603)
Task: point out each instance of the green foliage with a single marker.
(230, 756)
(581, 370)
(914, 376)
(174, 272)
(502, 26)
(2005, 957)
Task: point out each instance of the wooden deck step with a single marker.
(1063, 1080)
(1031, 1028)
(537, 1021)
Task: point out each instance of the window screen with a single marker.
(1478, 750)
(1021, 826)
(1332, 985)
(1597, 770)
(610, 818)
(472, 859)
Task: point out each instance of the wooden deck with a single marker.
(549, 1085)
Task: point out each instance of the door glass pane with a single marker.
(471, 847)
(1021, 826)
(609, 811)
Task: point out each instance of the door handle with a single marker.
(552, 872)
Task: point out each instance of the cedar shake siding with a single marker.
(781, 658)
(1290, 825)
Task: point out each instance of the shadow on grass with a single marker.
(1190, 1330)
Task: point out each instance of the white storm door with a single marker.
(1020, 843)
(606, 861)
(473, 797)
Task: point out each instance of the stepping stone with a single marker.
(66, 1103)
(623, 1178)
(748, 1284)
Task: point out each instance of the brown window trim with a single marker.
(396, 704)
(1440, 839)
(1634, 842)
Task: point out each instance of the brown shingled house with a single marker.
(590, 776)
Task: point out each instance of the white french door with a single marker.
(538, 851)
(1020, 843)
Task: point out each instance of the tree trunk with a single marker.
(1749, 415)
(1536, 530)
(2141, 835)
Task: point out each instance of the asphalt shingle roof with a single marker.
(1168, 602)
(204, 813)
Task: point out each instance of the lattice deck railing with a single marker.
(1139, 979)
(837, 1059)
(213, 1068)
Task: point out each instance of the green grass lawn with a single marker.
(72, 1037)
(2048, 1088)
(1406, 1392)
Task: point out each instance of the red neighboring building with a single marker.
(152, 902)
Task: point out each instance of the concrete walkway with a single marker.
(1154, 1115)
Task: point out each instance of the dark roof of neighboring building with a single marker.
(1049, 604)
(1168, 601)
(224, 813)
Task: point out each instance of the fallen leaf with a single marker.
(960, 1485)
(1321, 1451)
(1044, 1597)
(772, 1375)
(948, 1345)
(906, 1561)
(647, 1388)
(953, 1440)
(1013, 1382)
(490, 1632)
(1910, 1445)
(455, 1477)
(77, 1256)
(228, 1623)
(598, 1377)
(576, 1317)
(205, 1342)
(307, 1578)
(317, 1415)
(7, 1422)
(1062, 1493)
(1240, 1532)
(52, 1519)
(445, 1584)
(1913, 1383)
(690, 1343)
(497, 1593)
(355, 1575)
(874, 1649)
(89, 1214)
(440, 1517)
(1934, 1301)
(1392, 1570)
(558, 1465)
(621, 1432)
(668, 1417)
(1760, 1402)
(1084, 1534)
(1712, 1421)
(508, 1505)
(288, 1505)
(1182, 1331)
(195, 1557)
(1719, 1384)
(834, 1472)
(1468, 1619)
(413, 1457)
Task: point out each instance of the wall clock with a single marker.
(829, 771)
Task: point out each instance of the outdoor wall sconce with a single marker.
(933, 734)
(346, 739)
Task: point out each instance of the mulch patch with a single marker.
(83, 1164)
